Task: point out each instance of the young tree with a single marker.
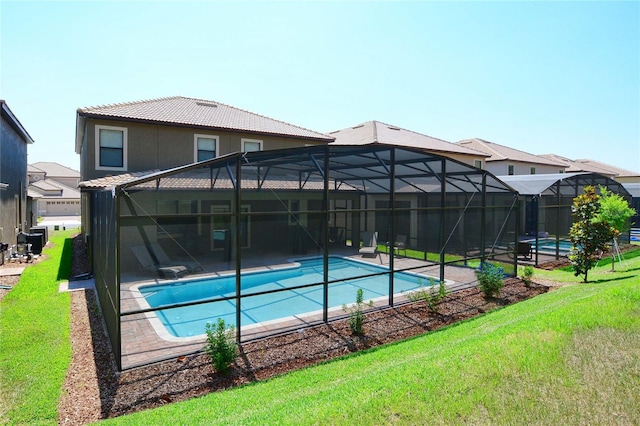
(589, 234)
(616, 211)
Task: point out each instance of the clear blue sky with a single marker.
(561, 77)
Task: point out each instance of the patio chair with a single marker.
(400, 244)
(525, 250)
(162, 258)
(165, 271)
(370, 244)
(335, 235)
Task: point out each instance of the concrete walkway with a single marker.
(62, 222)
(9, 269)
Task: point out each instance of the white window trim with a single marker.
(514, 168)
(258, 141)
(124, 147)
(478, 164)
(195, 145)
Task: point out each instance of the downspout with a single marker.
(20, 207)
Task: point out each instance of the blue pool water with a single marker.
(191, 320)
(549, 244)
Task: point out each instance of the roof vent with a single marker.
(394, 128)
(358, 126)
(207, 104)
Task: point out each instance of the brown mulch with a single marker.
(94, 390)
(563, 262)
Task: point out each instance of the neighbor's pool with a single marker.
(549, 245)
(191, 320)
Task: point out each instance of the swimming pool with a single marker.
(189, 321)
(548, 245)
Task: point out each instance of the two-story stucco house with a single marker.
(117, 142)
(14, 140)
(506, 161)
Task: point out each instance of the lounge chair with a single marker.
(370, 244)
(165, 271)
(162, 257)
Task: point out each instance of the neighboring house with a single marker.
(174, 131)
(504, 160)
(13, 175)
(56, 187)
(378, 132)
(53, 171)
(587, 165)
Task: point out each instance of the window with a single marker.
(512, 170)
(111, 148)
(250, 145)
(561, 171)
(294, 212)
(205, 147)
(533, 170)
(477, 163)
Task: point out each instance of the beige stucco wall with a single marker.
(501, 168)
(162, 147)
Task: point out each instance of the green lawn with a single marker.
(34, 337)
(567, 357)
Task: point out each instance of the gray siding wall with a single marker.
(13, 171)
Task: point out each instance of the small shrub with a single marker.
(430, 295)
(527, 275)
(221, 345)
(490, 279)
(356, 317)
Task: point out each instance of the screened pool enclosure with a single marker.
(545, 210)
(274, 241)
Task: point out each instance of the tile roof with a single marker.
(573, 166)
(32, 169)
(197, 180)
(179, 110)
(113, 181)
(54, 169)
(499, 152)
(45, 187)
(378, 132)
(587, 165)
(608, 167)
